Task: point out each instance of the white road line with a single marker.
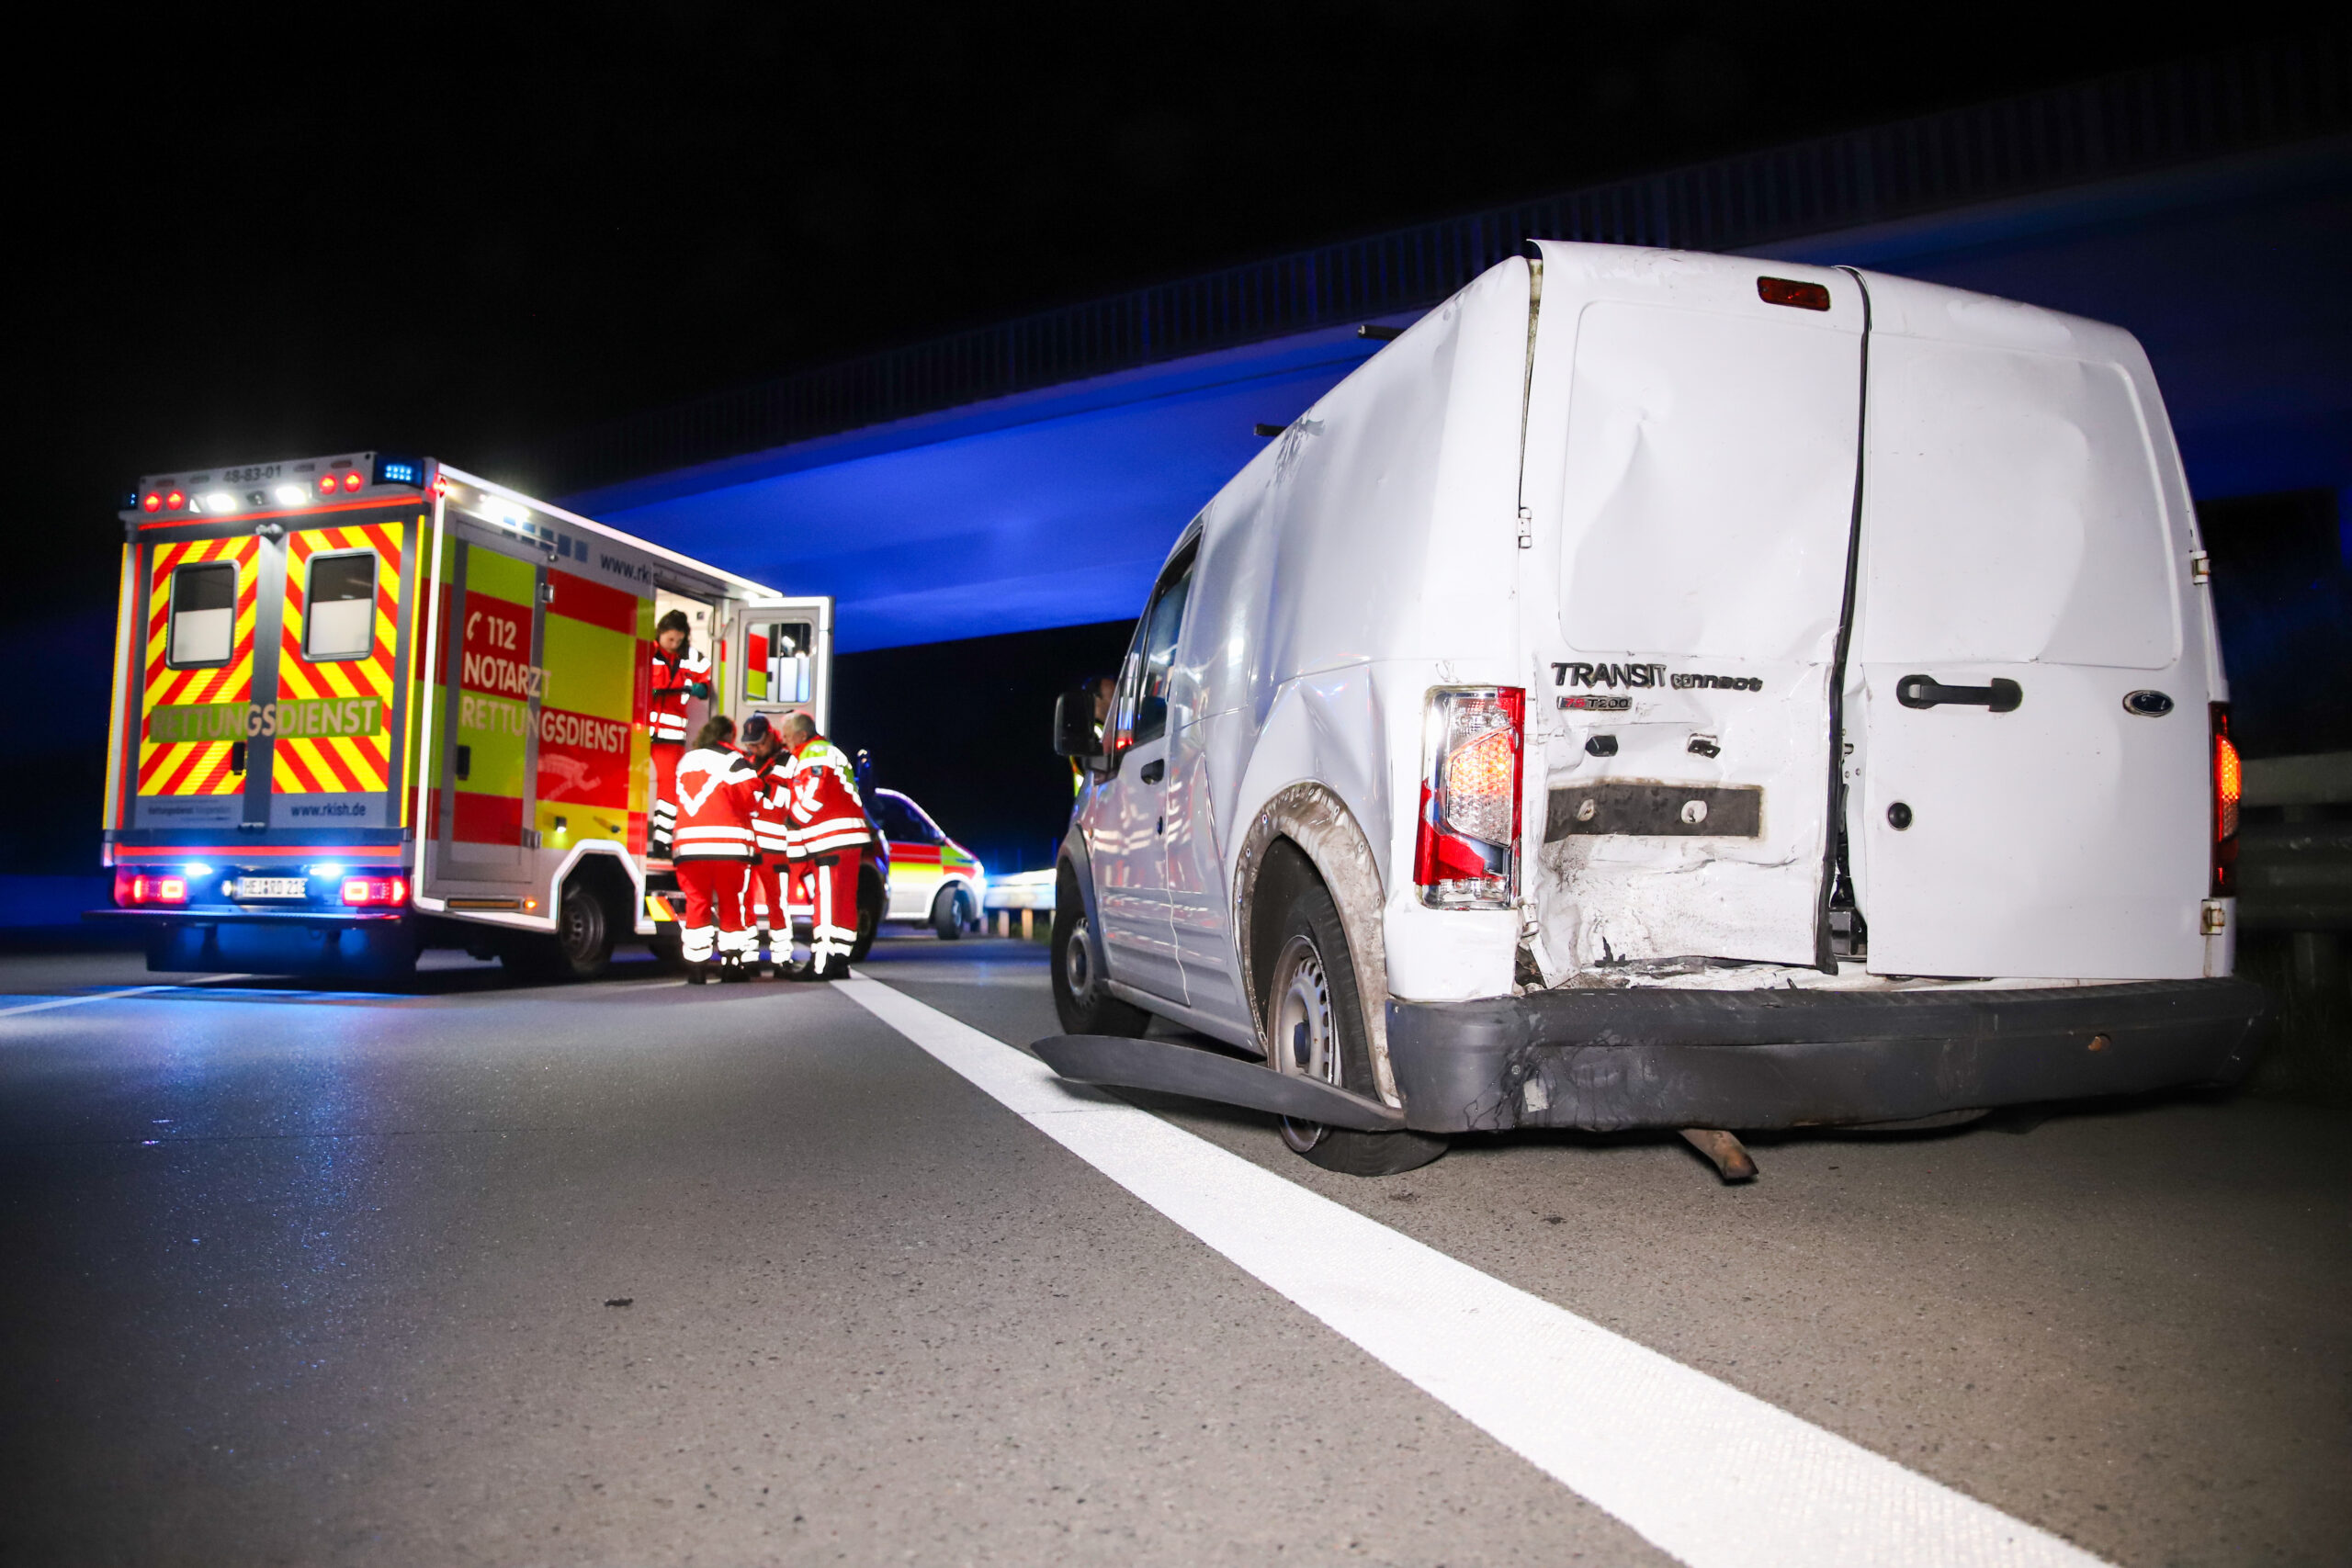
(110, 996)
(1716, 1477)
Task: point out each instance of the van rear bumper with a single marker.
(1605, 1060)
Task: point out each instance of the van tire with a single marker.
(1309, 1001)
(1082, 1002)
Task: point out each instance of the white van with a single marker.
(1663, 690)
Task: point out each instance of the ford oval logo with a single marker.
(2148, 704)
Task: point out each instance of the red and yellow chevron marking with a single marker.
(338, 764)
(195, 767)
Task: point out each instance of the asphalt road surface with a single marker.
(635, 1273)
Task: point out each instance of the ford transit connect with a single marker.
(1664, 690)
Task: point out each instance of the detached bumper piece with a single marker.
(1606, 1060)
(1171, 1068)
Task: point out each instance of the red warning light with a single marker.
(153, 502)
(351, 479)
(326, 484)
(173, 502)
(1789, 291)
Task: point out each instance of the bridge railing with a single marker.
(2133, 122)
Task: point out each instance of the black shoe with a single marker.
(697, 974)
(733, 972)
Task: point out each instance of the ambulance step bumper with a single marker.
(1607, 1060)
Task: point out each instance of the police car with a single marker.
(932, 878)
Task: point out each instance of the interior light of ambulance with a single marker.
(153, 502)
(2229, 793)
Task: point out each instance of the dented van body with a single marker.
(1709, 693)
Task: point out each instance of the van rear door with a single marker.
(2026, 537)
(1685, 587)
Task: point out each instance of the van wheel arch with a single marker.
(1317, 823)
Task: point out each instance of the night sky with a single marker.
(454, 230)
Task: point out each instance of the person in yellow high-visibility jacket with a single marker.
(1106, 689)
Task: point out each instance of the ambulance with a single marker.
(368, 704)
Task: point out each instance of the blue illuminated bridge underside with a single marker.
(1053, 506)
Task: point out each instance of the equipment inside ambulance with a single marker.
(365, 704)
(1661, 690)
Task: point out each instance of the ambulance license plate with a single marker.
(273, 887)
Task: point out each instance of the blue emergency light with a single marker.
(400, 471)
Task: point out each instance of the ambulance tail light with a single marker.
(326, 484)
(1466, 846)
(375, 892)
(155, 503)
(138, 889)
(2229, 790)
(351, 479)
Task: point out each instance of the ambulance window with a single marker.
(1161, 624)
(785, 668)
(340, 620)
(204, 615)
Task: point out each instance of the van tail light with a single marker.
(375, 892)
(2229, 788)
(136, 889)
(1465, 849)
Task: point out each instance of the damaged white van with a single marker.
(1663, 690)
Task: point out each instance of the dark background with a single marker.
(458, 232)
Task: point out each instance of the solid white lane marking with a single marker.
(110, 996)
(1715, 1476)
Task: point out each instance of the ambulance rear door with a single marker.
(787, 658)
(342, 638)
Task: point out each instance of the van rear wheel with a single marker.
(1315, 1027)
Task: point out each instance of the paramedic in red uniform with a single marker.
(714, 848)
(763, 894)
(826, 834)
(681, 672)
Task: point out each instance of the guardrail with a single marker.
(2130, 123)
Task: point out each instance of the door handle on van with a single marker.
(1155, 770)
(1927, 692)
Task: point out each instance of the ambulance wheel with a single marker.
(951, 912)
(1315, 1021)
(581, 947)
(869, 916)
(1081, 1000)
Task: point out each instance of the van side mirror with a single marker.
(1074, 728)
